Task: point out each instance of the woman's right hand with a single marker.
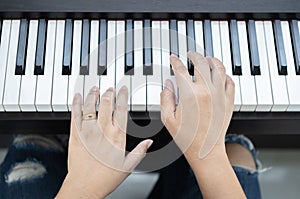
(199, 122)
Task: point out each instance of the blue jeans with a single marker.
(35, 167)
(183, 184)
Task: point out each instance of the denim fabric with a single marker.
(53, 164)
(171, 184)
(183, 184)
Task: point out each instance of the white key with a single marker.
(199, 37)
(226, 55)
(28, 84)
(108, 80)
(93, 78)
(138, 80)
(292, 80)
(263, 82)
(278, 82)
(154, 85)
(4, 46)
(121, 78)
(12, 81)
(216, 39)
(75, 79)
(44, 82)
(182, 45)
(60, 82)
(247, 84)
(165, 57)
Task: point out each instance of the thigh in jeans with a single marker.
(34, 167)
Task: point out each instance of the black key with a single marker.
(66, 68)
(255, 65)
(173, 40)
(191, 45)
(129, 54)
(296, 44)
(147, 37)
(281, 57)
(235, 46)
(208, 44)
(22, 46)
(85, 48)
(102, 48)
(40, 48)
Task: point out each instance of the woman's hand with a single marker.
(199, 123)
(97, 163)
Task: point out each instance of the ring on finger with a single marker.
(89, 116)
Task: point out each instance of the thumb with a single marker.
(167, 101)
(182, 76)
(136, 155)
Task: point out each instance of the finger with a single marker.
(218, 72)
(121, 109)
(182, 76)
(76, 110)
(136, 155)
(121, 114)
(91, 101)
(167, 102)
(106, 107)
(230, 89)
(201, 67)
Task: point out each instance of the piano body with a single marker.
(48, 48)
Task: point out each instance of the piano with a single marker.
(51, 49)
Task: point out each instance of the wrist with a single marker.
(217, 157)
(72, 188)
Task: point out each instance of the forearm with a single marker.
(70, 189)
(216, 177)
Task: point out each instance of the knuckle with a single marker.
(121, 107)
(105, 100)
(203, 93)
(89, 104)
(221, 69)
(230, 81)
(217, 61)
(93, 94)
(202, 61)
(180, 69)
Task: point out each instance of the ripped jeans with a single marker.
(183, 184)
(34, 167)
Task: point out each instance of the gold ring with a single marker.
(89, 116)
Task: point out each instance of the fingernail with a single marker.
(149, 143)
(77, 97)
(124, 88)
(209, 60)
(94, 89)
(110, 89)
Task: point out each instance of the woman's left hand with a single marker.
(97, 163)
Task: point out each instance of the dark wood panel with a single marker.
(162, 6)
(266, 129)
(155, 9)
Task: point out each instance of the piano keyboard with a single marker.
(44, 62)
